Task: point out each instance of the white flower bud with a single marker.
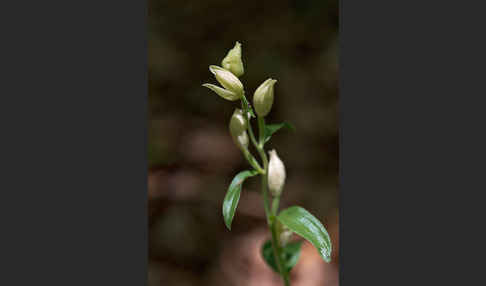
(242, 140)
(276, 174)
(224, 93)
(238, 123)
(263, 97)
(232, 61)
(227, 79)
(285, 235)
(237, 127)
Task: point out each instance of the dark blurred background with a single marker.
(191, 155)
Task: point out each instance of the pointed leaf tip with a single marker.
(232, 196)
(309, 227)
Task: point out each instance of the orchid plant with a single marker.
(279, 252)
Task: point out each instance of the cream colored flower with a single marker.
(233, 62)
(263, 97)
(276, 174)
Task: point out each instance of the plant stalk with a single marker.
(247, 153)
(253, 162)
(270, 213)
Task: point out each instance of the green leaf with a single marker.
(272, 128)
(247, 106)
(309, 227)
(290, 255)
(233, 196)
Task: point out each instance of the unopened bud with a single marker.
(276, 174)
(227, 79)
(224, 93)
(238, 126)
(232, 61)
(285, 234)
(238, 123)
(263, 97)
(242, 140)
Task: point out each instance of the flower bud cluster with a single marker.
(233, 88)
(228, 75)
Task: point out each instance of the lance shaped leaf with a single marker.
(270, 129)
(309, 227)
(233, 196)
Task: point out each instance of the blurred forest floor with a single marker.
(192, 158)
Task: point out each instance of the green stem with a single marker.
(252, 136)
(261, 129)
(266, 203)
(249, 157)
(275, 203)
(270, 214)
(277, 251)
(250, 129)
(259, 147)
(253, 162)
